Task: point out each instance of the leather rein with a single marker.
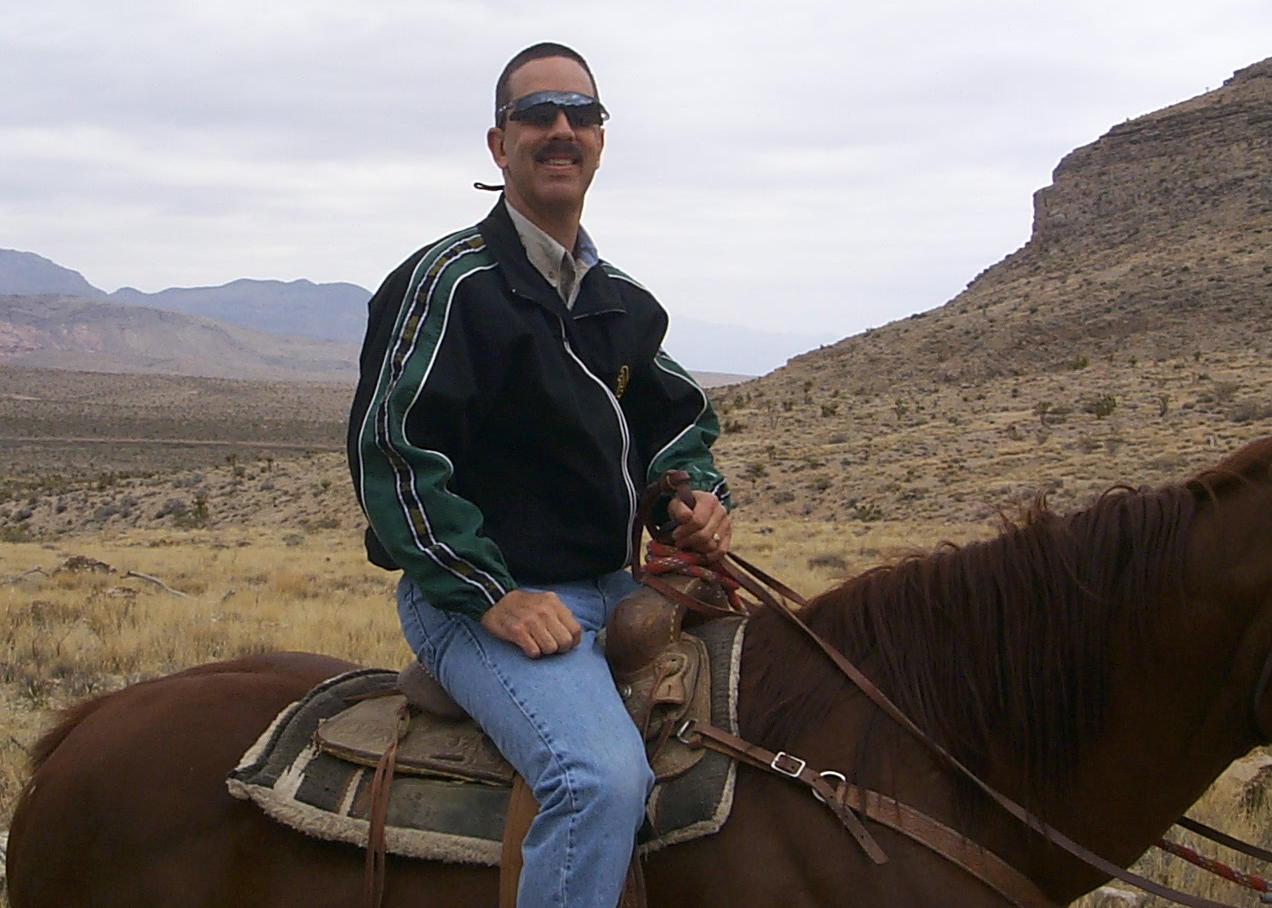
(842, 798)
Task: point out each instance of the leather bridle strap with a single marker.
(786, 765)
(950, 844)
(882, 701)
(1209, 832)
(374, 868)
(671, 482)
(665, 589)
(843, 798)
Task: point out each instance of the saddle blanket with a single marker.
(439, 819)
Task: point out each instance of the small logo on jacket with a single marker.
(620, 383)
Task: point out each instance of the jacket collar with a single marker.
(597, 293)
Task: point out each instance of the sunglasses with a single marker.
(541, 109)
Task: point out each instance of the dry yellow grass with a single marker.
(67, 632)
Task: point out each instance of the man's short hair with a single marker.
(540, 51)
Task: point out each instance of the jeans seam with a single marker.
(546, 741)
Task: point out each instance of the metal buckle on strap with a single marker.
(829, 774)
(787, 765)
(685, 727)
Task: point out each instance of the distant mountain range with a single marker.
(97, 335)
(337, 312)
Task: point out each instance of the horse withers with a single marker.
(1101, 667)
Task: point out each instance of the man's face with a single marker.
(547, 170)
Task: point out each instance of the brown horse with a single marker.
(1100, 667)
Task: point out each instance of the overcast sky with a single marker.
(790, 166)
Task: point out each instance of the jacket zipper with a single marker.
(623, 430)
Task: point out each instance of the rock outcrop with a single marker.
(1152, 241)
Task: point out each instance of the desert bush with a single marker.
(18, 533)
(172, 506)
(1249, 411)
(196, 515)
(755, 472)
(1225, 390)
(1100, 406)
(330, 522)
(868, 512)
(828, 561)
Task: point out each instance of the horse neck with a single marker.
(1180, 697)
(1177, 713)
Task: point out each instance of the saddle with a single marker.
(416, 728)
(661, 675)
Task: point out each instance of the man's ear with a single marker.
(494, 141)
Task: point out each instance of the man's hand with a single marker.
(539, 623)
(706, 528)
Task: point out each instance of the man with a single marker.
(513, 403)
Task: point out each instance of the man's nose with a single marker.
(561, 126)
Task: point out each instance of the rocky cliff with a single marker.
(1151, 241)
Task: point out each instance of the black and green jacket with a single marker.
(497, 438)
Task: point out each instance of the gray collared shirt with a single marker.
(560, 268)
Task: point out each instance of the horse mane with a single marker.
(998, 646)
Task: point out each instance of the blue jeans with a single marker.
(560, 722)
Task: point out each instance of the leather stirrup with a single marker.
(522, 809)
(633, 895)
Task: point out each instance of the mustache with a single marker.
(559, 148)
